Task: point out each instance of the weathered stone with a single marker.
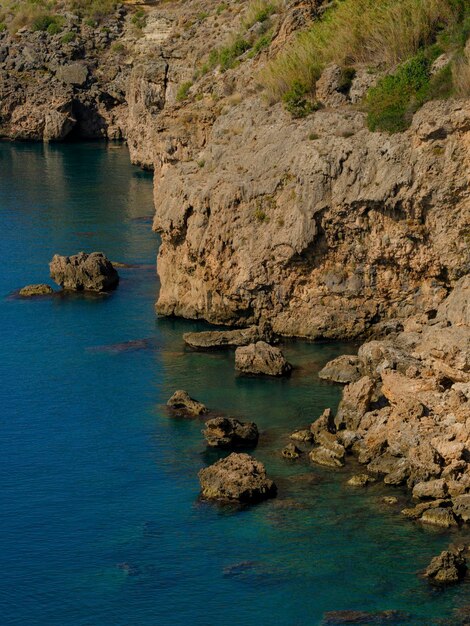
(35, 290)
(261, 358)
(343, 369)
(73, 74)
(303, 436)
(461, 507)
(360, 480)
(227, 432)
(327, 457)
(84, 272)
(324, 422)
(355, 403)
(448, 567)
(237, 478)
(291, 451)
(213, 339)
(439, 517)
(433, 489)
(183, 404)
(390, 500)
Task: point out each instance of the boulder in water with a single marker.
(261, 358)
(84, 272)
(238, 478)
(182, 403)
(344, 369)
(228, 432)
(212, 339)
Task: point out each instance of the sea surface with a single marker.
(100, 521)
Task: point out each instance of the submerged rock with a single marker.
(261, 358)
(360, 480)
(36, 290)
(84, 272)
(212, 339)
(228, 432)
(336, 618)
(302, 436)
(448, 567)
(237, 478)
(291, 451)
(182, 403)
(343, 369)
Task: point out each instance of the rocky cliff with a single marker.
(317, 225)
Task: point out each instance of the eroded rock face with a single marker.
(238, 478)
(182, 404)
(228, 432)
(448, 567)
(261, 358)
(84, 272)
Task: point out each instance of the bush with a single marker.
(258, 11)
(49, 23)
(183, 91)
(396, 97)
(295, 100)
(68, 37)
(227, 56)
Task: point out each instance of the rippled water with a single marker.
(100, 518)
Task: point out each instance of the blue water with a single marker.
(100, 518)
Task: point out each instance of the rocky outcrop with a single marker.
(84, 272)
(227, 432)
(183, 405)
(35, 290)
(448, 567)
(408, 418)
(261, 358)
(213, 339)
(343, 369)
(238, 478)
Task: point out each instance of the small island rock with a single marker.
(35, 290)
(182, 403)
(291, 451)
(261, 358)
(344, 369)
(212, 339)
(228, 432)
(238, 478)
(84, 272)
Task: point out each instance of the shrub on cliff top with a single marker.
(383, 32)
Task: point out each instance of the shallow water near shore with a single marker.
(100, 518)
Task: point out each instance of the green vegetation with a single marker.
(139, 19)
(258, 11)
(68, 37)
(183, 91)
(405, 36)
(44, 15)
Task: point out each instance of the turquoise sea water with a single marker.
(100, 522)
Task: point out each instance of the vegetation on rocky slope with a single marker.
(400, 38)
(46, 15)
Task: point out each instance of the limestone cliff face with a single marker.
(319, 226)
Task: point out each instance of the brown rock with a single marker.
(183, 404)
(355, 403)
(213, 339)
(261, 358)
(343, 369)
(448, 567)
(291, 451)
(35, 290)
(84, 272)
(227, 432)
(237, 478)
(327, 457)
(439, 517)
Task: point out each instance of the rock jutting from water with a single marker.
(260, 358)
(84, 272)
(228, 432)
(182, 404)
(448, 567)
(238, 478)
(216, 339)
(30, 291)
(343, 369)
